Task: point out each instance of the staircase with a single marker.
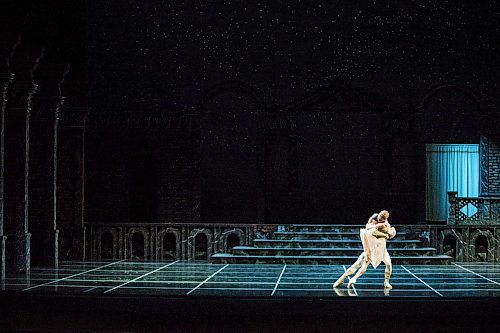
(328, 244)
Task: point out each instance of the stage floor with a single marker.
(458, 280)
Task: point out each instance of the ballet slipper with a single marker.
(340, 281)
(351, 283)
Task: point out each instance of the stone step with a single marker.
(315, 251)
(324, 243)
(225, 258)
(324, 235)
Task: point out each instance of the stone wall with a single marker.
(490, 165)
(177, 177)
(150, 241)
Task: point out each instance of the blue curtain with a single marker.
(450, 168)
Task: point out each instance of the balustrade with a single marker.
(473, 210)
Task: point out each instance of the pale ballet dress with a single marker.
(375, 248)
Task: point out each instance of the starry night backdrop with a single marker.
(161, 56)
(152, 54)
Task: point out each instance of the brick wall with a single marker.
(177, 177)
(494, 165)
(106, 182)
(490, 165)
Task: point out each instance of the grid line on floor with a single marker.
(484, 277)
(262, 280)
(211, 276)
(71, 276)
(437, 292)
(279, 279)
(140, 277)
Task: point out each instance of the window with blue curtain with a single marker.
(450, 167)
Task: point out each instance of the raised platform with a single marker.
(203, 297)
(329, 244)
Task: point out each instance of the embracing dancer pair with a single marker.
(373, 237)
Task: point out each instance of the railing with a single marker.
(473, 210)
(152, 245)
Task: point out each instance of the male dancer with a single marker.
(373, 238)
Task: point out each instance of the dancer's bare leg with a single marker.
(388, 269)
(351, 270)
(360, 272)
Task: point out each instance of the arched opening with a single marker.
(481, 248)
(107, 245)
(169, 247)
(200, 247)
(137, 246)
(232, 241)
(450, 246)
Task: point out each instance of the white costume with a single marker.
(374, 242)
(375, 245)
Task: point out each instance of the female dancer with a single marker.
(373, 238)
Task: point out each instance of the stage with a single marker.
(199, 296)
(186, 279)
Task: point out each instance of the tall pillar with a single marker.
(6, 79)
(15, 183)
(17, 161)
(4, 239)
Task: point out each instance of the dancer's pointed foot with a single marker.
(340, 292)
(387, 285)
(339, 281)
(351, 283)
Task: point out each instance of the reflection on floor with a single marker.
(254, 280)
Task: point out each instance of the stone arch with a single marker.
(490, 243)
(459, 250)
(160, 238)
(114, 234)
(497, 245)
(130, 236)
(192, 242)
(227, 233)
(450, 249)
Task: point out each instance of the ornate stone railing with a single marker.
(473, 210)
(153, 234)
(462, 241)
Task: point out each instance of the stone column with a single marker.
(17, 161)
(4, 239)
(85, 245)
(452, 199)
(497, 245)
(6, 79)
